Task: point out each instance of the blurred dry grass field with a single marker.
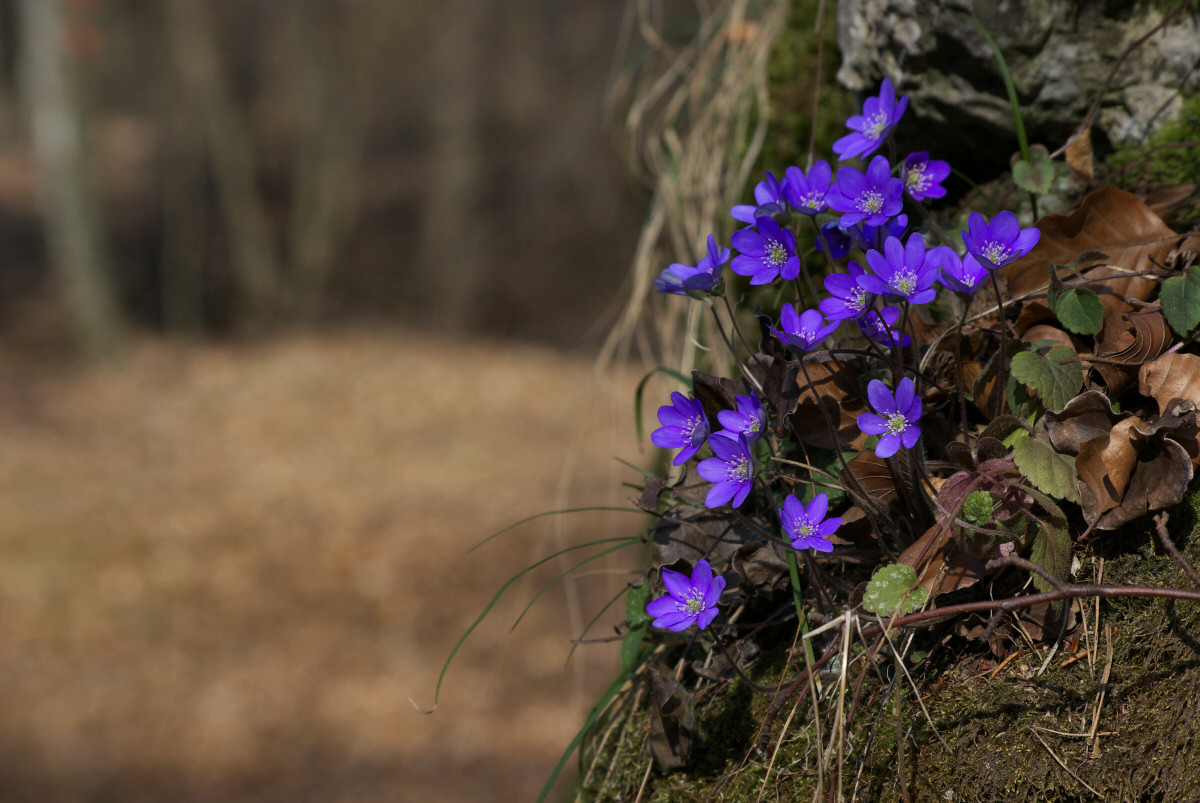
(224, 570)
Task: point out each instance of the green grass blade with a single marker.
(584, 562)
(487, 609)
(1009, 86)
(543, 514)
(637, 396)
(598, 709)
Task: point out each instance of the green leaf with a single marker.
(1055, 380)
(888, 589)
(631, 645)
(1034, 173)
(978, 508)
(1051, 472)
(635, 605)
(1079, 310)
(1180, 297)
(1052, 551)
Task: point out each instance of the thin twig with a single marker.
(1160, 526)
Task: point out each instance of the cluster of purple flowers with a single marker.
(731, 468)
(849, 208)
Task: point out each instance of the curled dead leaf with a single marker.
(1109, 220)
(835, 388)
(1172, 376)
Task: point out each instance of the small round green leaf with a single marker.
(889, 590)
(1180, 297)
(1080, 311)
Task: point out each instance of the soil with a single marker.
(233, 572)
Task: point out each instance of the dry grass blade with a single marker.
(1063, 764)
(1093, 735)
(696, 121)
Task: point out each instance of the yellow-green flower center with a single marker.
(873, 129)
(694, 604)
(776, 253)
(870, 201)
(996, 253)
(896, 424)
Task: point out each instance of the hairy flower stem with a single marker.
(1001, 371)
(958, 366)
(745, 369)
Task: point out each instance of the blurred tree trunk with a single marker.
(452, 253)
(198, 59)
(73, 230)
(334, 110)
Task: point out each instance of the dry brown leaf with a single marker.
(1165, 200)
(1109, 220)
(837, 386)
(944, 566)
(1157, 483)
(1106, 464)
(1139, 338)
(1086, 417)
(1079, 156)
(875, 476)
(1172, 376)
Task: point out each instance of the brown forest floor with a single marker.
(224, 570)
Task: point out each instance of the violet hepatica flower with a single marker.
(689, 600)
(895, 417)
(901, 271)
(881, 327)
(865, 236)
(679, 278)
(804, 330)
(748, 419)
(768, 196)
(732, 470)
(765, 253)
(1000, 242)
(684, 426)
(806, 192)
(879, 117)
(871, 198)
(963, 274)
(923, 178)
(847, 298)
(835, 238)
(805, 525)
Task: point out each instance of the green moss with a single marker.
(792, 73)
(1152, 708)
(1171, 157)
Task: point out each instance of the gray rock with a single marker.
(1059, 52)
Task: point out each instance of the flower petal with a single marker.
(880, 397)
(676, 583)
(870, 424)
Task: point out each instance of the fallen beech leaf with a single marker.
(672, 722)
(1172, 376)
(1086, 417)
(1042, 331)
(1079, 156)
(1106, 463)
(1157, 483)
(835, 384)
(875, 476)
(1108, 220)
(1140, 337)
(945, 566)
(1165, 200)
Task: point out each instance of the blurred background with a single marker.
(299, 301)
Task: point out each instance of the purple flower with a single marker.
(806, 193)
(881, 327)
(806, 526)
(766, 253)
(847, 298)
(689, 601)
(767, 195)
(749, 419)
(865, 236)
(684, 427)
(679, 279)
(870, 198)
(879, 117)
(896, 422)
(832, 235)
(732, 470)
(1000, 242)
(802, 331)
(963, 274)
(901, 271)
(923, 178)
